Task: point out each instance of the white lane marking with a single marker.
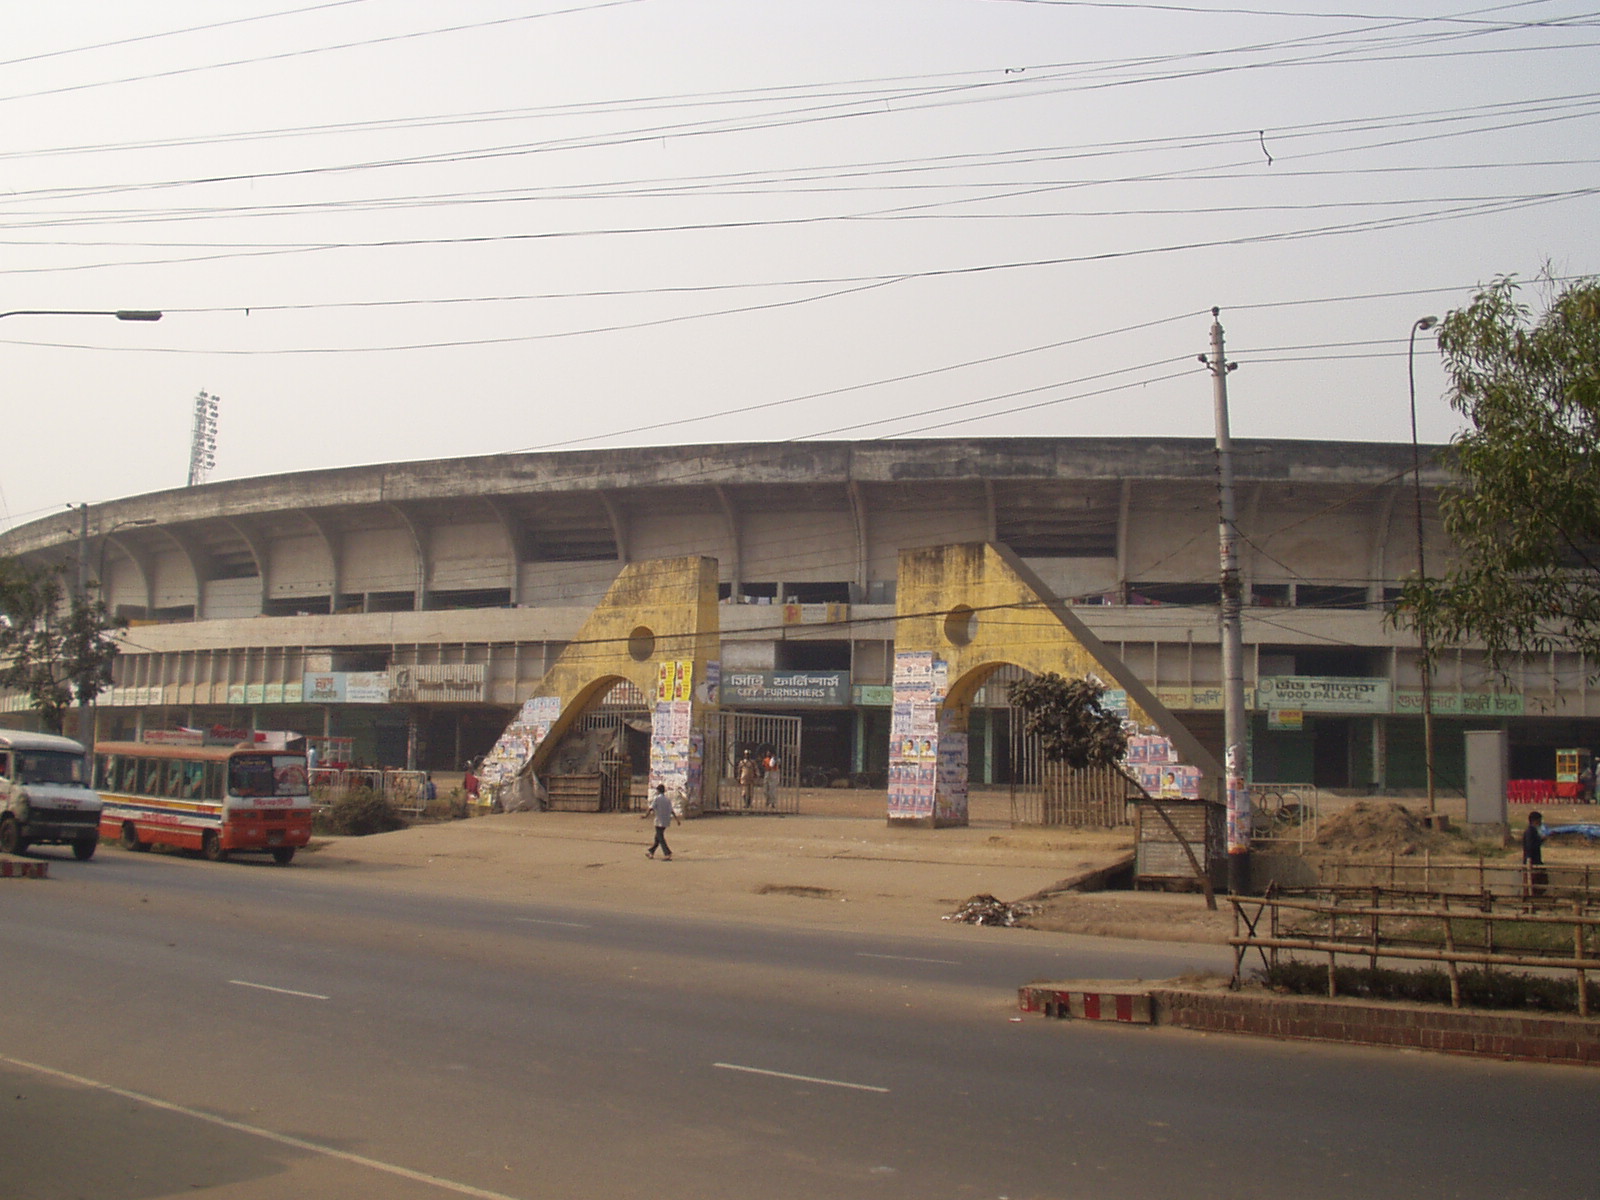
(267, 987)
(860, 1087)
(948, 962)
(543, 921)
(283, 1139)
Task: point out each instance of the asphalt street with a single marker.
(180, 1027)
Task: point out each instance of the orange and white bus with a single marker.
(214, 799)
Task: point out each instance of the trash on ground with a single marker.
(984, 909)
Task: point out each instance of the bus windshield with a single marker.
(50, 766)
(256, 775)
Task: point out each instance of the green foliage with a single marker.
(1479, 988)
(1525, 518)
(54, 648)
(358, 812)
(1066, 716)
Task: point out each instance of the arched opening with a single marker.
(602, 760)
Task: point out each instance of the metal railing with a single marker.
(1477, 936)
(403, 789)
(1284, 815)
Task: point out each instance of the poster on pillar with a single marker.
(676, 753)
(520, 739)
(950, 798)
(919, 760)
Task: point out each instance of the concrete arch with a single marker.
(963, 611)
(658, 627)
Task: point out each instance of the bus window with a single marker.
(149, 777)
(215, 776)
(250, 775)
(5, 765)
(194, 780)
(126, 777)
(172, 780)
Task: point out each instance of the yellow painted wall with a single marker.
(674, 600)
(978, 606)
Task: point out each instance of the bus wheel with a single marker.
(130, 837)
(11, 839)
(83, 850)
(211, 847)
(283, 855)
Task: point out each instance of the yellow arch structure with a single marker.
(962, 612)
(657, 626)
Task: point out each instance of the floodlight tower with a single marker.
(203, 441)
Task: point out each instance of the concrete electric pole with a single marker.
(1233, 711)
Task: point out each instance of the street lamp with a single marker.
(121, 314)
(1422, 323)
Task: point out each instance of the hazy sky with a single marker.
(386, 230)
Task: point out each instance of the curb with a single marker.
(1126, 1007)
(23, 870)
(1511, 1037)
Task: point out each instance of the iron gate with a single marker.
(728, 736)
(1052, 793)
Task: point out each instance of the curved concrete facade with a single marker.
(414, 606)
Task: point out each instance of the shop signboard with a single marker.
(346, 687)
(1467, 704)
(786, 689)
(437, 683)
(1323, 694)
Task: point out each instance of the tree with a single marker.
(1065, 715)
(1525, 516)
(53, 648)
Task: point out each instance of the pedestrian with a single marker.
(746, 773)
(770, 772)
(661, 809)
(1533, 854)
(469, 784)
(430, 793)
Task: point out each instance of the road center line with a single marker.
(283, 1139)
(543, 921)
(860, 1087)
(267, 987)
(947, 962)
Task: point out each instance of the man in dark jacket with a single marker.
(1533, 854)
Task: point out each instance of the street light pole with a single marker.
(1425, 644)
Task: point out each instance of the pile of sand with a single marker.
(1370, 827)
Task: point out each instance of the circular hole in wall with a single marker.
(641, 643)
(960, 625)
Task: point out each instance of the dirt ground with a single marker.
(839, 862)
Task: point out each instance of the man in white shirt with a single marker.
(661, 809)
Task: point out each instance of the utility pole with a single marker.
(83, 603)
(1233, 713)
(1425, 644)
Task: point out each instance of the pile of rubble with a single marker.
(984, 909)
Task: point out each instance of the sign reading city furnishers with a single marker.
(786, 689)
(1323, 694)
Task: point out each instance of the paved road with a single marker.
(177, 1026)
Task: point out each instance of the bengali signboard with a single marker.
(786, 689)
(1462, 704)
(1323, 694)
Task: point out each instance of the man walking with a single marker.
(661, 809)
(1534, 876)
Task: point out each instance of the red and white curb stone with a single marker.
(1132, 1008)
